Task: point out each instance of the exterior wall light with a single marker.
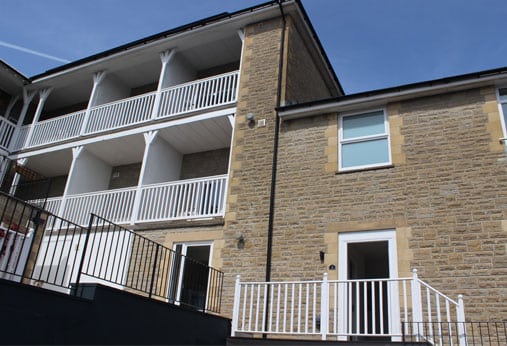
(241, 242)
(250, 118)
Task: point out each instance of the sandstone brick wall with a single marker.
(251, 159)
(302, 80)
(445, 197)
(205, 164)
(125, 176)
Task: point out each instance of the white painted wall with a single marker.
(89, 174)
(107, 258)
(178, 71)
(163, 163)
(110, 89)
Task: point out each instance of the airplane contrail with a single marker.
(30, 51)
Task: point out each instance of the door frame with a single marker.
(185, 246)
(346, 238)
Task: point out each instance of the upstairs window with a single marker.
(363, 141)
(502, 96)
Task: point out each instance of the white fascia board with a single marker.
(383, 99)
(137, 130)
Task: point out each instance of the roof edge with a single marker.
(309, 108)
(152, 38)
(15, 72)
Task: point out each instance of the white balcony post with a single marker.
(17, 176)
(324, 308)
(76, 151)
(460, 314)
(43, 95)
(417, 314)
(98, 77)
(148, 139)
(165, 58)
(27, 98)
(235, 309)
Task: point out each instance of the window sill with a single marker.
(365, 169)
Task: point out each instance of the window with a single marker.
(502, 96)
(363, 141)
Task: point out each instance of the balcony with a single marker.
(177, 200)
(198, 95)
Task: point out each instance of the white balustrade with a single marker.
(120, 113)
(20, 140)
(6, 132)
(51, 204)
(56, 129)
(184, 199)
(342, 309)
(198, 95)
(114, 205)
(192, 96)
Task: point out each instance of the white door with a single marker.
(369, 303)
(190, 274)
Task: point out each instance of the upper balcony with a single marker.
(171, 102)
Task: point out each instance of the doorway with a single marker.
(370, 305)
(189, 274)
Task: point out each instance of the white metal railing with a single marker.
(115, 205)
(51, 204)
(120, 113)
(21, 137)
(6, 132)
(343, 309)
(192, 96)
(184, 199)
(199, 94)
(56, 129)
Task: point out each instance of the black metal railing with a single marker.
(42, 249)
(492, 333)
(122, 257)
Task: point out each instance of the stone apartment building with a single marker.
(299, 178)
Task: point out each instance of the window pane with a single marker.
(365, 153)
(363, 125)
(504, 111)
(503, 92)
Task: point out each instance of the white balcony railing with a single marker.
(51, 204)
(348, 308)
(115, 205)
(176, 100)
(6, 132)
(119, 114)
(184, 199)
(198, 95)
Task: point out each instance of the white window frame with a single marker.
(502, 100)
(342, 141)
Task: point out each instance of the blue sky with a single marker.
(371, 44)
